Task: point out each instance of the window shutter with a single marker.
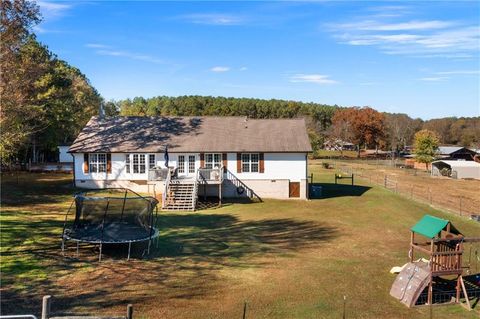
(261, 166)
(85, 162)
(202, 160)
(109, 163)
(224, 160)
(239, 162)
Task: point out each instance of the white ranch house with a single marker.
(215, 156)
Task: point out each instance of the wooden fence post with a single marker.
(460, 205)
(385, 181)
(129, 311)
(46, 302)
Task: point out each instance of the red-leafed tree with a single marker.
(360, 126)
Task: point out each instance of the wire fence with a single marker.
(425, 189)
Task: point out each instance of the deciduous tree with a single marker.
(425, 146)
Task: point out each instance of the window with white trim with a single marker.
(97, 162)
(151, 161)
(250, 162)
(136, 163)
(181, 164)
(191, 164)
(213, 160)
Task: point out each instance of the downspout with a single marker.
(73, 169)
(307, 191)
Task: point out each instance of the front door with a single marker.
(186, 165)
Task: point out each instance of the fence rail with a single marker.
(457, 204)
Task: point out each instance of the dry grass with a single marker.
(287, 259)
(459, 196)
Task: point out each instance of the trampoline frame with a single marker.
(154, 232)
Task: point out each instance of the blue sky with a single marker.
(419, 58)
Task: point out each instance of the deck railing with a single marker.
(157, 174)
(206, 175)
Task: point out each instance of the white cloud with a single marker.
(434, 79)
(213, 19)
(312, 78)
(97, 46)
(371, 25)
(220, 69)
(53, 9)
(459, 72)
(106, 50)
(243, 68)
(429, 38)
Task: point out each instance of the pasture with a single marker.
(287, 259)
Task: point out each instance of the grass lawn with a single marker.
(287, 259)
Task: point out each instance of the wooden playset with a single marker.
(444, 250)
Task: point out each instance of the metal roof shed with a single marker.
(459, 169)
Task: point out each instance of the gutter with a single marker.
(73, 168)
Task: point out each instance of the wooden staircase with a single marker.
(180, 195)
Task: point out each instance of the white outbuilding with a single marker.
(456, 169)
(63, 155)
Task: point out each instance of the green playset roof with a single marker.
(429, 226)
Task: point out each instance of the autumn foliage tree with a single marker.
(425, 146)
(361, 126)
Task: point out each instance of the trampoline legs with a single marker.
(100, 254)
(129, 247)
(148, 248)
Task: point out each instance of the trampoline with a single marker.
(110, 216)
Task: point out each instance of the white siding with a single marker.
(64, 157)
(291, 166)
(119, 171)
(280, 169)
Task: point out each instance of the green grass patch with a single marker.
(289, 259)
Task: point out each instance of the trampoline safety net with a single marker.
(111, 216)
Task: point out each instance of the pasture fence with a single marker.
(454, 203)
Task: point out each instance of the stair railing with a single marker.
(166, 188)
(238, 183)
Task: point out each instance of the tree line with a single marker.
(45, 102)
(362, 126)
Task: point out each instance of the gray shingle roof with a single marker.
(192, 134)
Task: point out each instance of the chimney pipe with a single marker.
(101, 112)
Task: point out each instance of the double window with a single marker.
(137, 163)
(250, 162)
(213, 160)
(97, 163)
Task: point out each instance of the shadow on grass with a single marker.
(330, 190)
(183, 264)
(23, 189)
